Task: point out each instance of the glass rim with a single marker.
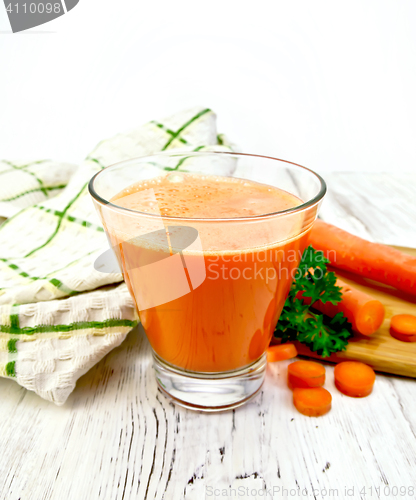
(299, 208)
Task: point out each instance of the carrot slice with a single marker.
(365, 313)
(354, 379)
(305, 374)
(281, 352)
(372, 260)
(312, 401)
(403, 327)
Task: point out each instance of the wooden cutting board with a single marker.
(380, 350)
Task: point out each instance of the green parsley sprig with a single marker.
(298, 322)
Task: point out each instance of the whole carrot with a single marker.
(365, 313)
(371, 260)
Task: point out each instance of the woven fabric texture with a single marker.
(58, 315)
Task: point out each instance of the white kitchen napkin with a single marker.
(58, 315)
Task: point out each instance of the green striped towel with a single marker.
(58, 315)
(25, 183)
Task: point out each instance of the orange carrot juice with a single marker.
(226, 322)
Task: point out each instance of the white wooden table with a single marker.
(118, 438)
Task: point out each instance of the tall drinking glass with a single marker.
(209, 287)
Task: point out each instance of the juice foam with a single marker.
(198, 196)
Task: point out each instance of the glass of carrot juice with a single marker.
(208, 244)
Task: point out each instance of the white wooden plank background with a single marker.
(117, 438)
